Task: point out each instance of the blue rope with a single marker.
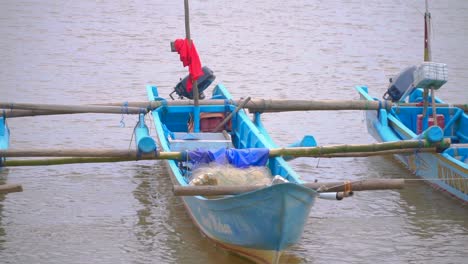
(124, 111)
(226, 105)
(125, 108)
(159, 99)
(380, 107)
(185, 155)
(421, 144)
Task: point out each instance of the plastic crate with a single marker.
(430, 74)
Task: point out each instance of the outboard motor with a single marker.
(203, 82)
(400, 84)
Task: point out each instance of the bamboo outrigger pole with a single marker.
(363, 185)
(9, 188)
(254, 105)
(132, 157)
(318, 151)
(68, 109)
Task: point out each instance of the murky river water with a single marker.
(77, 52)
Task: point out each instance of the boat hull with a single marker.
(442, 170)
(260, 224)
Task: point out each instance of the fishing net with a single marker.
(216, 174)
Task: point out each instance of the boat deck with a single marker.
(189, 141)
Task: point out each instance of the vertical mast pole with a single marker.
(196, 109)
(427, 31)
(428, 57)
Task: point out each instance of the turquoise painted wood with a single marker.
(447, 170)
(306, 141)
(267, 220)
(143, 141)
(4, 137)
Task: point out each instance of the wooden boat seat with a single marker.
(188, 141)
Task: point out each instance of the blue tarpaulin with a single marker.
(240, 158)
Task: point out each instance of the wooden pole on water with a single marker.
(319, 151)
(74, 160)
(9, 188)
(363, 185)
(101, 109)
(350, 148)
(254, 105)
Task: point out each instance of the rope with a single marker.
(417, 161)
(133, 133)
(347, 187)
(348, 184)
(226, 105)
(318, 159)
(124, 110)
(159, 146)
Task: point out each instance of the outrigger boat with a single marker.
(412, 115)
(258, 221)
(258, 224)
(415, 114)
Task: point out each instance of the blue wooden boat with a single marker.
(258, 225)
(447, 170)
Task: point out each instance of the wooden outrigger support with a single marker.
(362, 185)
(45, 109)
(9, 188)
(100, 155)
(254, 105)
